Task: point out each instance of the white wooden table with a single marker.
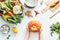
(42, 18)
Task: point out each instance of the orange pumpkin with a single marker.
(34, 26)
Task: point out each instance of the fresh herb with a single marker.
(55, 28)
(8, 37)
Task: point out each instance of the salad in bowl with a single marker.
(11, 11)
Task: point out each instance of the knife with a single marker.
(55, 14)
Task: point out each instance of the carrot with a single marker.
(7, 15)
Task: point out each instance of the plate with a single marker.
(11, 11)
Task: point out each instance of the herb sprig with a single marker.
(55, 28)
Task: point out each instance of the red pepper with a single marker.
(1, 0)
(11, 11)
(7, 14)
(13, 3)
(36, 13)
(0, 14)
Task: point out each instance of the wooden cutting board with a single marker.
(52, 2)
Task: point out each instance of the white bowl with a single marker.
(31, 3)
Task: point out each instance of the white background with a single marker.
(44, 20)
